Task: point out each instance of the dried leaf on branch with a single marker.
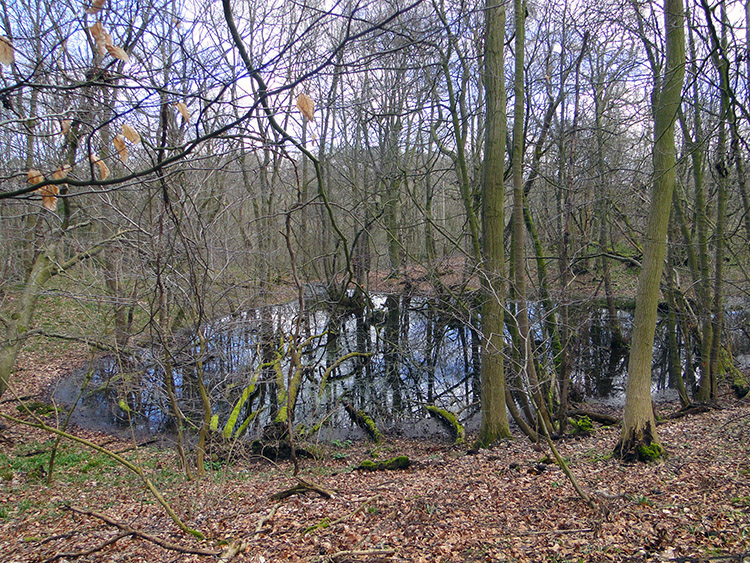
(131, 134)
(101, 37)
(184, 111)
(7, 53)
(65, 126)
(103, 168)
(96, 7)
(118, 53)
(61, 172)
(35, 176)
(306, 106)
(121, 147)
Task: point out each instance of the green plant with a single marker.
(339, 455)
(640, 499)
(339, 444)
(36, 407)
(582, 425)
(596, 455)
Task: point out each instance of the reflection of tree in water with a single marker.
(400, 354)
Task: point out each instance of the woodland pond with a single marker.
(390, 358)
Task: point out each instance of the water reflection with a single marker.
(412, 351)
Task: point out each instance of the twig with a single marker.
(325, 523)
(301, 488)
(237, 547)
(564, 466)
(355, 553)
(76, 554)
(554, 532)
(148, 537)
(266, 518)
(136, 446)
(119, 459)
(16, 399)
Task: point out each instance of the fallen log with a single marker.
(601, 418)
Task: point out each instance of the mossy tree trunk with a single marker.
(639, 439)
(494, 422)
(19, 322)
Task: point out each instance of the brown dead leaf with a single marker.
(61, 172)
(35, 176)
(306, 105)
(48, 193)
(103, 168)
(65, 126)
(101, 37)
(131, 134)
(49, 197)
(96, 7)
(118, 53)
(7, 53)
(184, 111)
(121, 146)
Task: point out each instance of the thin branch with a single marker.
(128, 530)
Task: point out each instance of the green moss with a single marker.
(36, 407)
(373, 429)
(398, 462)
(652, 452)
(365, 422)
(581, 426)
(450, 421)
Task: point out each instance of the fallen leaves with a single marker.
(448, 507)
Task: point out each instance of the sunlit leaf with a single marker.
(123, 405)
(121, 147)
(7, 53)
(130, 134)
(96, 6)
(103, 168)
(184, 111)
(118, 53)
(214, 424)
(306, 105)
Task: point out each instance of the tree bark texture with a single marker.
(639, 439)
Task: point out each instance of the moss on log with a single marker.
(365, 422)
(398, 462)
(449, 421)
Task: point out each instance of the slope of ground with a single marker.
(500, 504)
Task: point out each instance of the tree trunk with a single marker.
(20, 319)
(639, 439)
(494, 423)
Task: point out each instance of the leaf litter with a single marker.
(500, 504)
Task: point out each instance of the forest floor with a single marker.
(500, 504)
